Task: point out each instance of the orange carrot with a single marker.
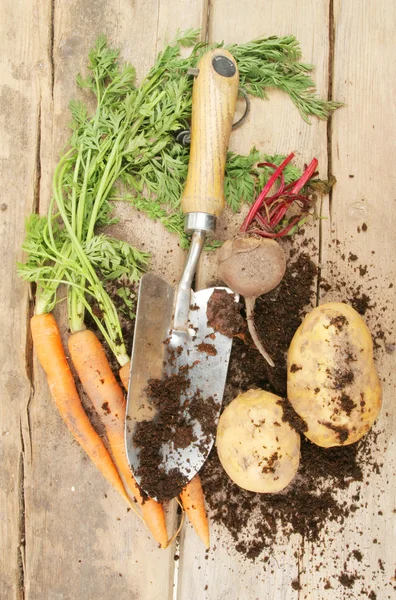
(193, 501)
(124, 375)
(97, 378)
(192, 495)
(50, 352)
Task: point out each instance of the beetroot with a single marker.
(251, 267)
(253, 263)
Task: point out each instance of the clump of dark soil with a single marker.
(279, 314)
(290, 416)
(224, 314)
(347, 580)
(168, 424)
(207, 348)
(178, 411)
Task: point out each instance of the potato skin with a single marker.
(258, 451)
(332, 382)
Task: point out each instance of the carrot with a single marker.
(124, 375)
(192, 495)
(50, 352)
(192, 498)
(97, 378)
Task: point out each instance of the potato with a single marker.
(258, 450)
(331, 378)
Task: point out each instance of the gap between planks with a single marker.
(329, 133)
(178, 547)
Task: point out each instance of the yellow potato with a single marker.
(258, 450)
(332, 382)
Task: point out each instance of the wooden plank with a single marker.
(273, 127)
(362, 150)
(75, 543)
(106, 549)
(19, 121)
(80, 536)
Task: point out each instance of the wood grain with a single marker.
(64, 534)
(363, 138)
(19, 173)
(273, 127)
(213, 107)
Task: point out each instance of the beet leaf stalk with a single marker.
(269, 212)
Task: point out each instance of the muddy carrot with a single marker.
(98, 380)
(50, 352)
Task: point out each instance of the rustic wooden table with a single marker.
(65, 534)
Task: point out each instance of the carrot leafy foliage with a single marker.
(126, 149)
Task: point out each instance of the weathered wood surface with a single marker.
(275, 127)
(64, 534)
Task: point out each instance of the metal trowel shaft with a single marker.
(199, 224)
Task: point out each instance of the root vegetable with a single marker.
(192, 498)
(332, 382)
(255, 265)
(97, 378)
(251, 267)
(258, 450)
(52, 357)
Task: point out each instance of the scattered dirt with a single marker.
(169, 423)
(313, 500)
(207, 348)
(278, 315)
(358, 290)
(290, 416)
(347, 580)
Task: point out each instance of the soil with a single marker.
(306, 507)
(177, 412)
(278, 315)
(224, 315)
(314, 499)
(169, 424)
(207, 348)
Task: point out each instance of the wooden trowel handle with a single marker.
(214, 98)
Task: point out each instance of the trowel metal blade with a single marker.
(154, 342)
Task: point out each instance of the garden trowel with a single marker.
(173, 322)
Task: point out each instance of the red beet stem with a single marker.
(279, 215)
(259, 201)
(278, 234)
(280, 191)
(306, 176)
(263, 222)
